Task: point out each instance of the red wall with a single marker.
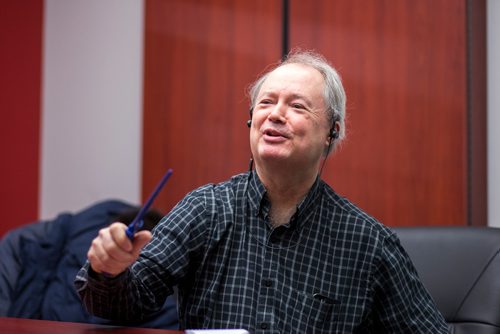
(414, 72)
(415, 153)
(20, 80)
(199, 58)
(415, 148)
(404, 67)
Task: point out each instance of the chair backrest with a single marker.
(460, 266)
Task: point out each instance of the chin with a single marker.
(274, 157)
(271, 155)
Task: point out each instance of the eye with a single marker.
(298, 106)
(266, 101)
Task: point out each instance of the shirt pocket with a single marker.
(324, 309)
(312, 313)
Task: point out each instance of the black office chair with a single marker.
(460, 266)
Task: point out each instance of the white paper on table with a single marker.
(216, 331)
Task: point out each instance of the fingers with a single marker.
(111, 252)
(119, 237)
(141, 238)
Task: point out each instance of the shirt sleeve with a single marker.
(401, 302)
(142, 289)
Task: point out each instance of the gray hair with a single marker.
(334, 94)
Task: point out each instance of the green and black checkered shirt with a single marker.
(332, 269)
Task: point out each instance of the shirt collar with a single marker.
(258, 202)
(256, 193)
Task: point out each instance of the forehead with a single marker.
(296, 78)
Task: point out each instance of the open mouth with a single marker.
(274, 133)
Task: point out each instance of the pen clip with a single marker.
(139, 218)
(324, 299)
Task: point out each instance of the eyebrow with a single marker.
(302, 97)
(294, 96)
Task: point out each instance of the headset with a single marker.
(249, 122)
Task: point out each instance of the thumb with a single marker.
(141, 238)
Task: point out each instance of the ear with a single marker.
(335, 131)
(249, 122)
(328, 141)
(328, 145)
(331, 137)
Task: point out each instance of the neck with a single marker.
(285, 191)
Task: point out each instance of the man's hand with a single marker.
(111, 252)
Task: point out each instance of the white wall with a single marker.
(493, 74)
(91, 103)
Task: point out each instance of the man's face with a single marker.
(289, 123)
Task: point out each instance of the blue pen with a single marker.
(138, 221)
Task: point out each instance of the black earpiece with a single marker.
(249, 122)
(334, 134)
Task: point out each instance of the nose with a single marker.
(278, 113)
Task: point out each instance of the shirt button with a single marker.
(268, 283)
(263, 325)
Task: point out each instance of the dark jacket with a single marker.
(39, 262)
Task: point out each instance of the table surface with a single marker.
(30, 326)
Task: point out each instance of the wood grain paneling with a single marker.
(20, 78)
(404, 64)
(477, 137)
(414, 74)
(199, 58)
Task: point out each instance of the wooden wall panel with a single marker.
(404, 64)
(477, 116)
(199, 58)
(20, 78)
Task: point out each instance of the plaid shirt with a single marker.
(331, 269)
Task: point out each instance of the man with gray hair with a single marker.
(273, 250)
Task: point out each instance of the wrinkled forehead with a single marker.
(296, 79)
(295, 71)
